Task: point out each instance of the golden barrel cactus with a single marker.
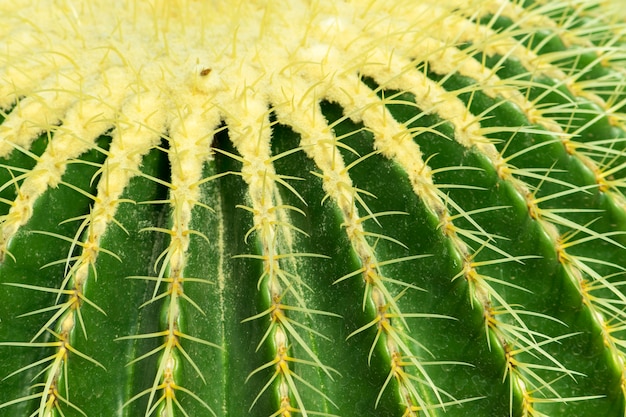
(309, 208)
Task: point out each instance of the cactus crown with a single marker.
(312, 208)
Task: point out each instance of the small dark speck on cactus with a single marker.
(281, 208)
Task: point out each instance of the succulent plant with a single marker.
(312, 208)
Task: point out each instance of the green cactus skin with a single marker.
(312, 208)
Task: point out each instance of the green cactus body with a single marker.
(312, 208)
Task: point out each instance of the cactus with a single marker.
(312, 208)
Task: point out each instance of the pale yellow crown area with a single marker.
(216, 48)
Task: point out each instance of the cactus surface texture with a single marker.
(312, 208)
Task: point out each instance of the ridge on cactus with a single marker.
(312, 208)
